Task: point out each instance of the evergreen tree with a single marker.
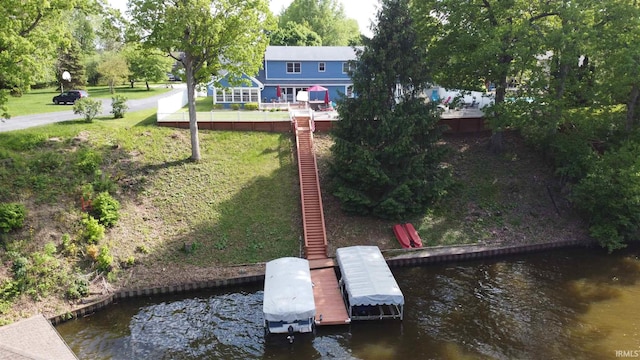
(386, 157)
(71, 60)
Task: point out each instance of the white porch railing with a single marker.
(227, 116)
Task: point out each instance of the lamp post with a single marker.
(65, 77)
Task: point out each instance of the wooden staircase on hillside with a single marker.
(315, 238)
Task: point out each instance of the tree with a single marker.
(324, 17)
(30, 33)
(147, 64)
(114, 70)
(213, 35)
(71, 61)
(294, 34)
(619, 48)
(386, 160)
(481, 41)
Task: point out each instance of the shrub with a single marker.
(218, 106)
(609, 196)
(251, 106)
(11, 216)
(93, 231)
(105, 209)
(88, 160)
(69, 247)
(104, 259)
(20, 267)
(79, 288)
(119, 106)
(235, 106)
(92, 251)
(87, 107)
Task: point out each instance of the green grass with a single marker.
(239, 204)
(38, 101)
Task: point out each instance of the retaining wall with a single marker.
(395, 258)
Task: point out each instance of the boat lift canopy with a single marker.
(288, 292)
(371, 290)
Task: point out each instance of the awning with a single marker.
(288, 292)
(367, 277)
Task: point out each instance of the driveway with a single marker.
(27, 121)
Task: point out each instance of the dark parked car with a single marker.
(69, 96)
(172, 77)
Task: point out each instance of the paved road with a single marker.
(27, 121)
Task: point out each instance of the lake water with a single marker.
(567, 304)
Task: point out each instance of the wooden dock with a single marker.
(330, 308)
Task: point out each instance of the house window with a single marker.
(349, 91)
(348, 67)
(293, 68)
(321, 67)
(237, 95)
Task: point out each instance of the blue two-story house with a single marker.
(296, 68)
(288, 70)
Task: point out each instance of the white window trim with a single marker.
(294, 67)
(229, 96)
(324, 66)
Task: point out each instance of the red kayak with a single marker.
(402, 236)
(415, 240)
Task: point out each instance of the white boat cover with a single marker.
(367, 278)
(288, 292)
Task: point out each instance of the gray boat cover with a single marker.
(288, 292)
(367, 278)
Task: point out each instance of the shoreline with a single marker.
(394, 257)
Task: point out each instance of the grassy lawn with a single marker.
(238, 205)
(38, 101)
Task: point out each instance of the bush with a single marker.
(218, 106)
(609, 196)
(69, 247)
(235, 106)
(251, 106)
(93, 231)
(104, 259)
(119, 106)
(87, 107)
(11, 216)
(79, 288)
(88, 161)
(92, 251)
(105, 208)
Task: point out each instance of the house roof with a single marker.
(310, 53)
(34, 339)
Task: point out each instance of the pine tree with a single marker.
(71, 60)
(386, 157)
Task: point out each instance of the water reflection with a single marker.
(568, 304)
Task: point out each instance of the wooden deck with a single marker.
(330, 307)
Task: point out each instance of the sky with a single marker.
(362, 10)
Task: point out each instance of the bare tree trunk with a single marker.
(147, 83)
(631, 107)
(193, 124)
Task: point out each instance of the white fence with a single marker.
(171, 104)
(226, 116)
